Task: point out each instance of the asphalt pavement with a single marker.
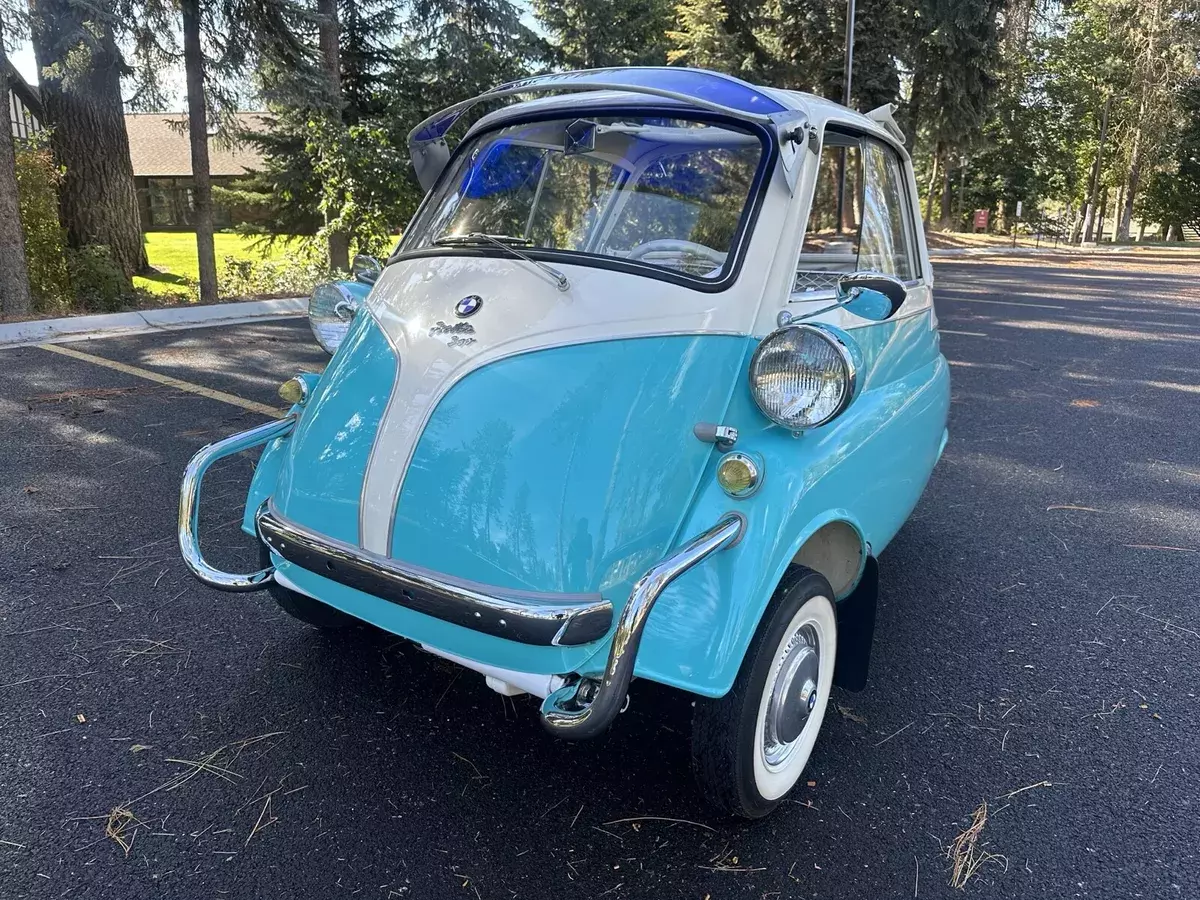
(1037, 648)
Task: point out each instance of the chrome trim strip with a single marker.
(189, 506)
(587, 707)
(530, 617)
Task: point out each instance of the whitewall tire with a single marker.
(750, 747)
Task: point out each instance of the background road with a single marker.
(1037, 647)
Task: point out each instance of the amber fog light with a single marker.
(739, 474)
(294, 390)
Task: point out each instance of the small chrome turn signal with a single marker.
(294, 390)
(739, 474)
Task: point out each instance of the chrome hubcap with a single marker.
(793, 696)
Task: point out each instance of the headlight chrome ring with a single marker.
(803, 376)
(331, 309)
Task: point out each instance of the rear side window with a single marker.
(860, 217)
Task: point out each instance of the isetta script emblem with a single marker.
(456, 335)
(468, 306)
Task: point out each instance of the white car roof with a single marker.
(818, 111)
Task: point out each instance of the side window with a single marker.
(858, 216)
(885, 239)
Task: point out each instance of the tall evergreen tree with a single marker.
(592, 34)
(328, 152)
(700, 38)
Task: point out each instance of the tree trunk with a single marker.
(944, 224)
(1089, 217)
(14, 274)
(193, 63)
(1138, 151)
(1118, 208)
(97, 198)
(962, 193)
(1103, 213)
(329, 36)
(933, 174)
(912, 116)
(1125, 207)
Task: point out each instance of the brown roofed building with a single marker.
(162, 166)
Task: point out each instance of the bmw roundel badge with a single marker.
(468, 306)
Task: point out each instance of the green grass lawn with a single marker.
(173, 254)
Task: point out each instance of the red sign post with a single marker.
(981, 219)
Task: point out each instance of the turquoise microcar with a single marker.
(651, 380)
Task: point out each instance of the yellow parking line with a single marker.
(177, 383)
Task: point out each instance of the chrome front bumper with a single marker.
(587, 707)
(529, 617)
(189, 506)
(578, 710)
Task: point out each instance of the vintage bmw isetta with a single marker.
(649, 383)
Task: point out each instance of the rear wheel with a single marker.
(303, 607)
(750, 746)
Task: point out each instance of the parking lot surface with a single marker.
(1037, 648)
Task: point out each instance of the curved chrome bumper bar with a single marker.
(189, 506)
(530, 617)
(587, 707)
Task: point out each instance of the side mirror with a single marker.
(366, 269)
(871, 295)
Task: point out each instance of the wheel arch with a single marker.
(720, 631)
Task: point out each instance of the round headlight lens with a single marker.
(331, 309)
(801, 376)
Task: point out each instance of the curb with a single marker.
(1090, 250)
(82, 328)
(1013, 251)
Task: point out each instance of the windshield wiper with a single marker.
(504, 242)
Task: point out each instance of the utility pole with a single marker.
(841, 197)
(849, 52)
(329, 39)
(1089, 216)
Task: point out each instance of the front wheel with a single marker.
(750, 746)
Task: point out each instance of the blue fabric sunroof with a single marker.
(710, 86)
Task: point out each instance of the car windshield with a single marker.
(664, 192)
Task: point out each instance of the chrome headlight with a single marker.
(331, 309)
(802, 376)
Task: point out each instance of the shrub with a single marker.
(295, 276)
(97, 279)
(37, 185)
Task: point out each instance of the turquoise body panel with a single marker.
(868, 468)
(575, 469)
(567, 469)
(316, 474)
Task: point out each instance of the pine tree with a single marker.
(592, 34)
(700, 37)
